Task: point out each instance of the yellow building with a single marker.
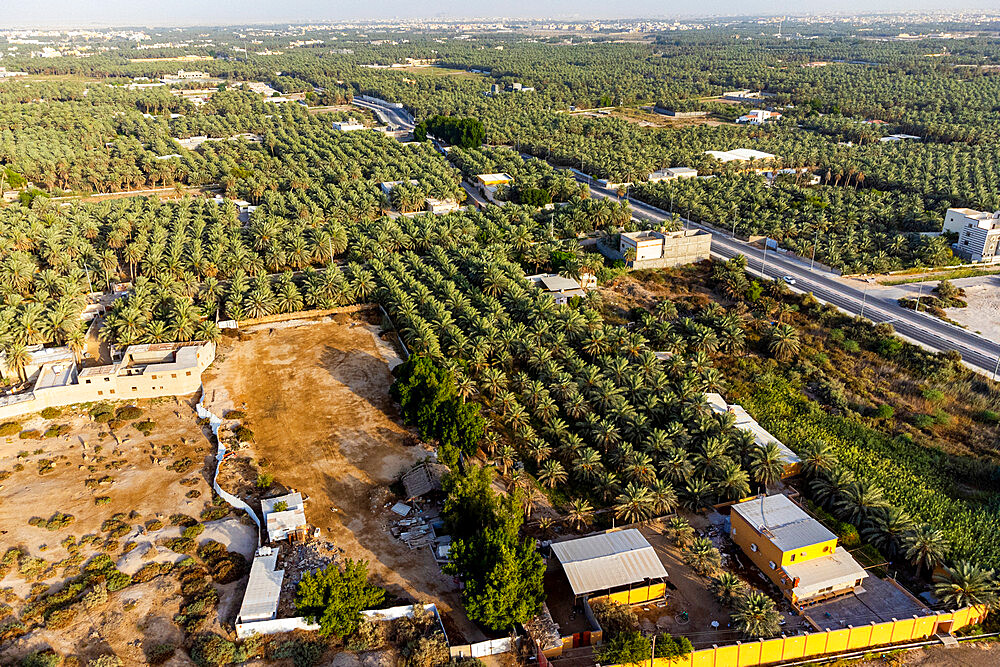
(798, 553)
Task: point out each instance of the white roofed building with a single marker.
(744, 422)
(561, 289)
(260, 601)
(612, 563)
(285, 517)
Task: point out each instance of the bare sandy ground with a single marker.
(316, 396)
(983, 312)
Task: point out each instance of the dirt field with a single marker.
(147, 478)
(982, 315)
(316, 397)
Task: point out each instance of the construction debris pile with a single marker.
(297, 558)
(543, 630)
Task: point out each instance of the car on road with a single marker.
(788, 279)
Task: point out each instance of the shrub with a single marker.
(9, 428)
(103, 417)
(280, 506)
(95, 596)
(933, 395)
(117, 580)
(44, 658)
(182, 545)
(60, 618)
(56, 430)
(988, 417)
(627, 648)
(194, 531)
(108, 660)
(244, 434)
(615, 618)
(50, 413)
(235, 414)
(265, 480)
(159, 653)
(668, 646)
(884, 411)
(128, 413)
(145, 427)
(102, 500)
(155, 524)
(30, 434)
(55, 522)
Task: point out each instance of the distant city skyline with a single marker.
(73, 13)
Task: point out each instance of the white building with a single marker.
(899, 137)
(287, 522)
(347, 126)
(672, 173)
(758, 117)
(761, 437)
(388, 186)
(191, 74)
(441, 206)
(559, 288)
(260, 601)
(978, 233)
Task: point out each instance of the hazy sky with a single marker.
(187, 12)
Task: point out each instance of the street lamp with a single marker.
(763, 260)
(919, 293)
(996, 369)
(864, 296)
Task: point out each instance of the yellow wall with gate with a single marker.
(763, 652)
(636, 595)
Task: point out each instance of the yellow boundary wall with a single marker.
(636, 595)
(763, 652)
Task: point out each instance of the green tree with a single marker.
(966, 584)
(502, 572)
(625, 648)
(755, 616)
(334, 598)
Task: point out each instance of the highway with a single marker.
(397, 118)
(848, 294)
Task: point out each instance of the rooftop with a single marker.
(739, 154)
(835, 567)
(495, 178)
(260, 601)
(609, 560)
(783, 522)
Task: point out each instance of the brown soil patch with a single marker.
(316, 397)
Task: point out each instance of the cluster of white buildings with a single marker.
(144, 371)
(672, 173)
(978, 233)
(740, 155)
(758, 117)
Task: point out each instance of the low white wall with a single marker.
(274, 626)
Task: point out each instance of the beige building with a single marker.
(978, 233)
(761, 437)
(145, 371)
(657, 250)
(441, 206)
(561, 289)
(672, 173)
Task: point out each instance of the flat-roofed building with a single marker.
(672, 173)
(758, 117)
(657, 250)
(441, 206)
(260, 600)
(347, 126)
(761, 437)
(560, 288)
(388, 186)
(622, 565)
(488, 184)
(285, 517)
(143, 371)
(795, 551)
(978, 233)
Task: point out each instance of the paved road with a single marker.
(848, 294)
(389, 115)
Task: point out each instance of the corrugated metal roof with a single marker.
(783, 522)
(600, 562)
(260, 602)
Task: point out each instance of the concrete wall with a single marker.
(303, 314)
(686, 248)
(121, 387)
(762, 652)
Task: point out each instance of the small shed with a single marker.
(423, 479)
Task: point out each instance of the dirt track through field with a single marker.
(317, 399)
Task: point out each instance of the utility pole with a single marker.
(763, 260)
(652, 651)
(864, 297)
(815, 243)
(919, 293)
(995, 370)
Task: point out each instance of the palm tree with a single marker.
(17, 358)
(828, 486)
(925, 547)
(728, 588)
(755, 616)
(552, 473)
(579, 514)
(966, 584)
(859, 501)
(679, 530)
(783, 342)
(817, 456)
(634, 503)
(664, 497)
(767, 464)
(886, 528)
(702, 556)
(733, 483)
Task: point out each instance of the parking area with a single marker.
(881, 601)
